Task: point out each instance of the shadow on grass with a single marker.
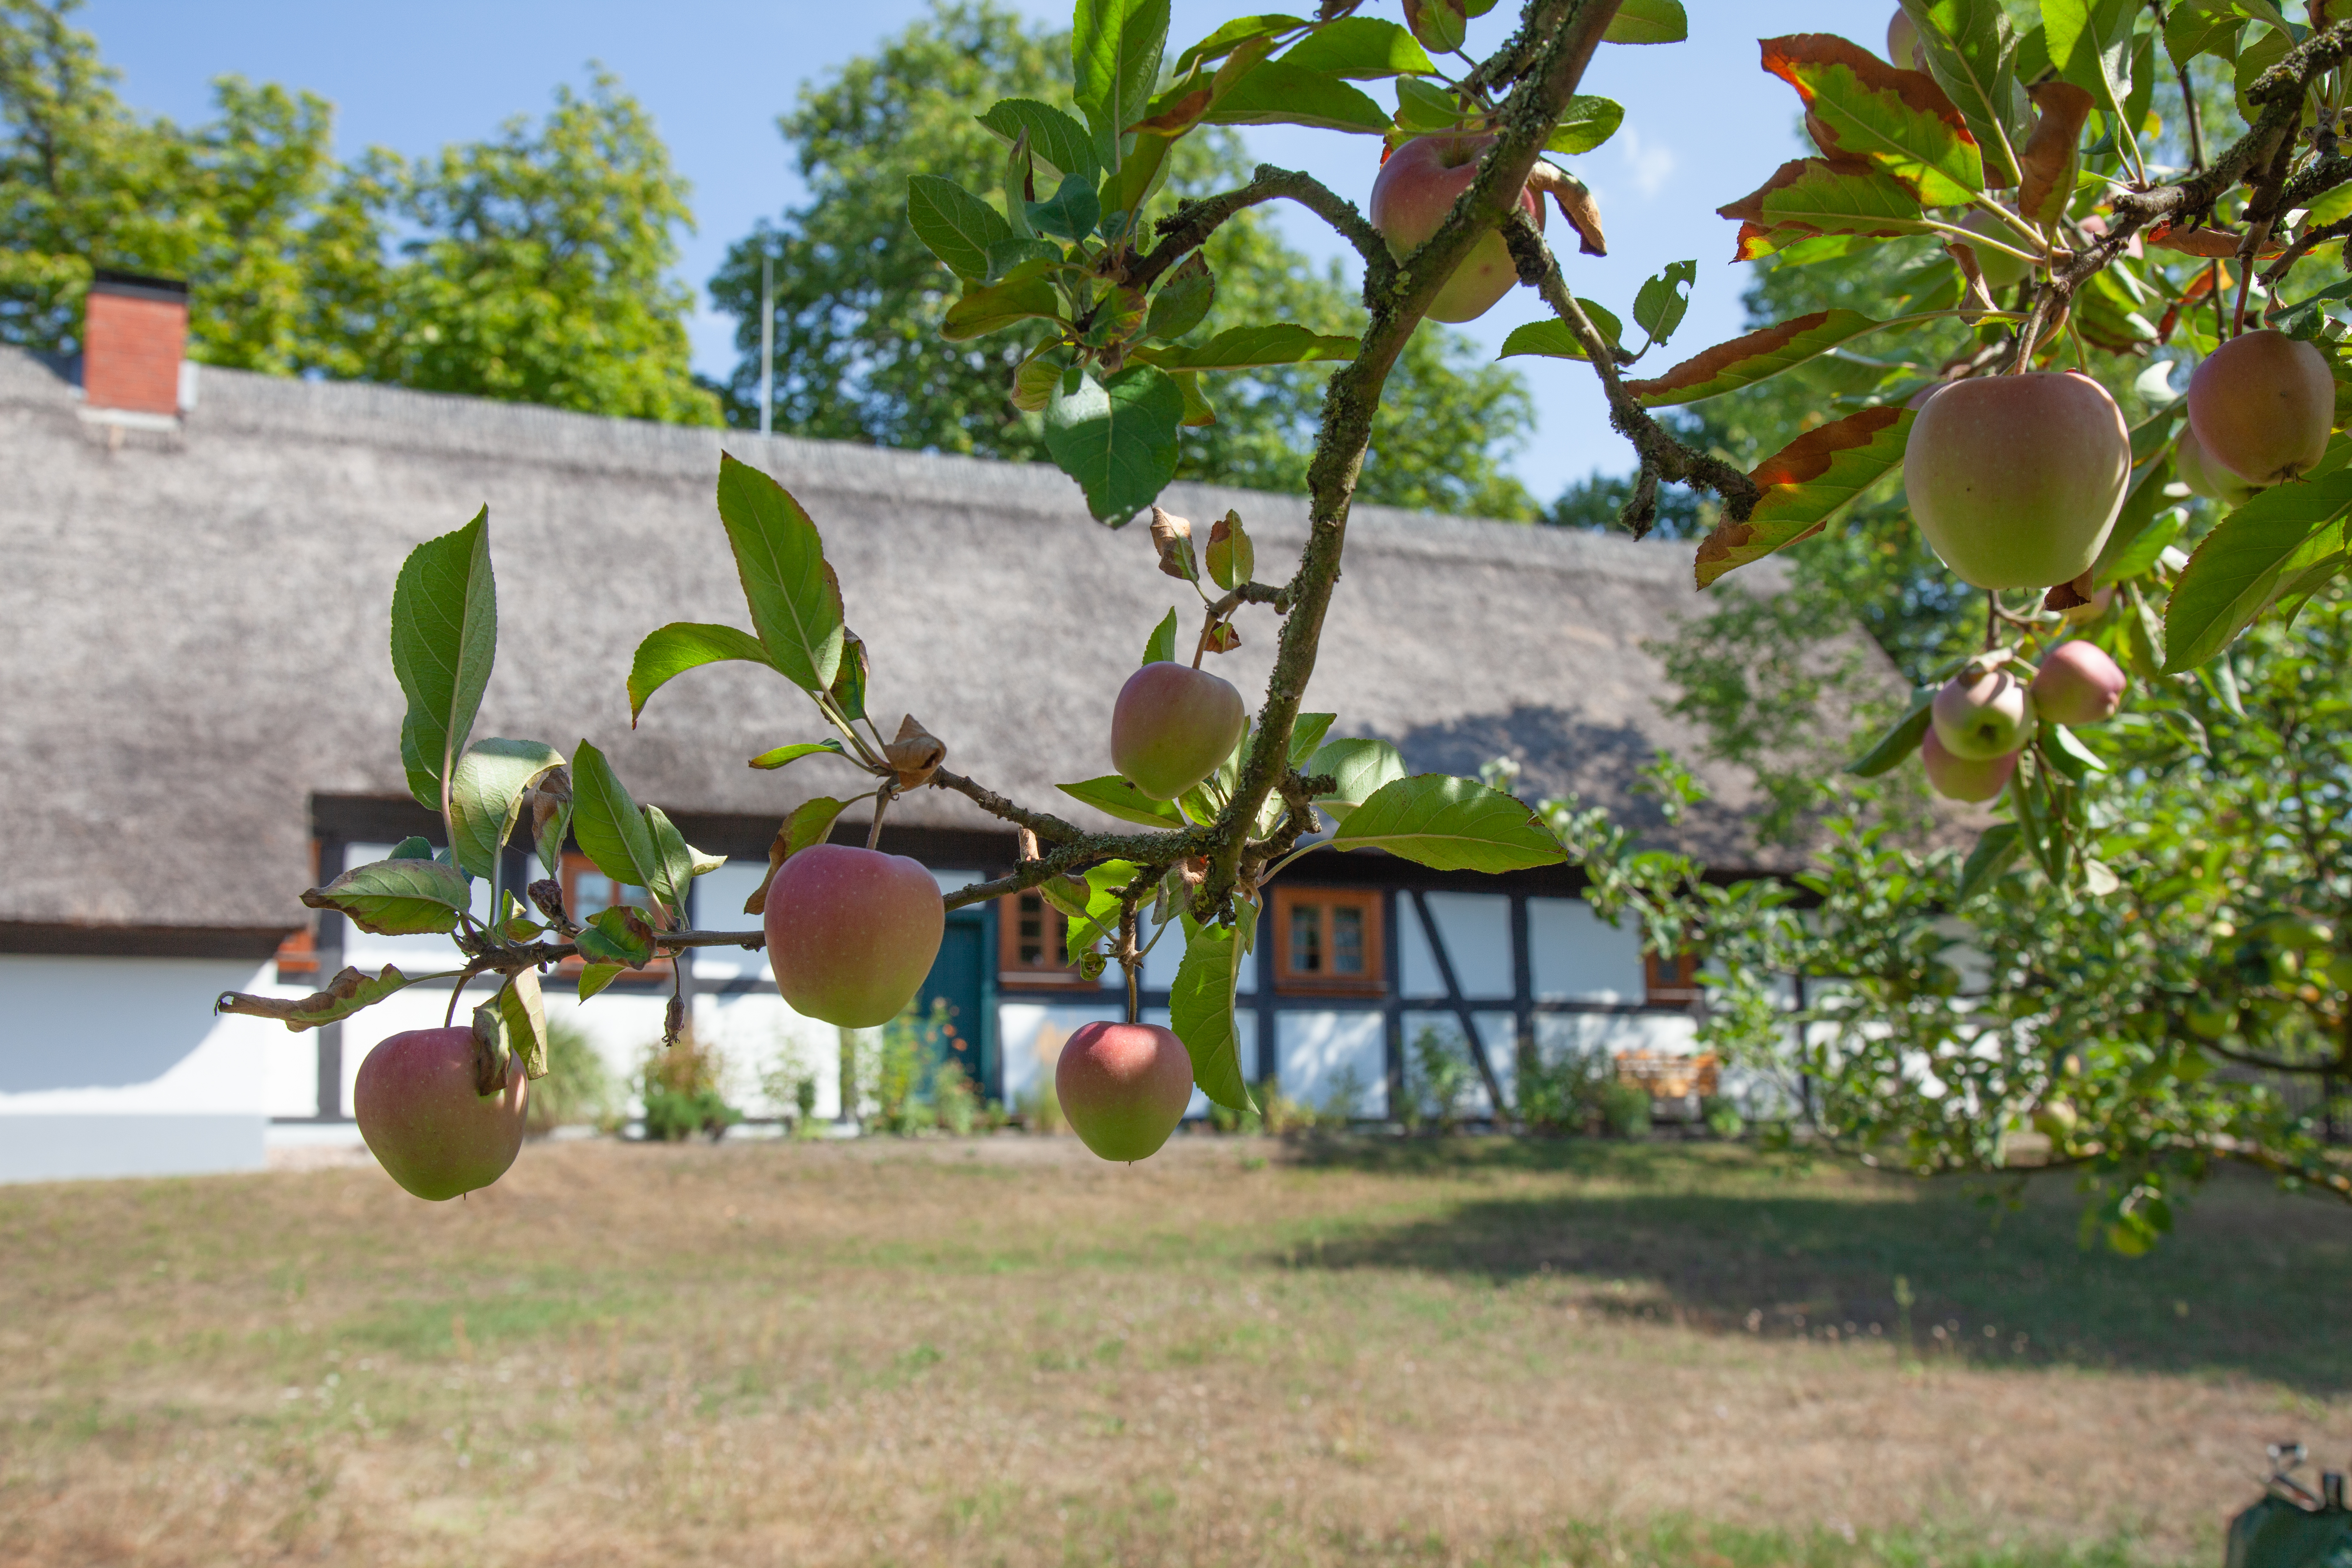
(1730, 1242)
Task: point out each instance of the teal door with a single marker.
(959, 978)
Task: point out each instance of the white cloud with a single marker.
(1650, 166)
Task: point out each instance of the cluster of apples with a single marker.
(1985, 716)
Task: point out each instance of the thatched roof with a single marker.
(195, 629)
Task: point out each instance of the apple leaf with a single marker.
(2065, 751)
(1181, 302)
(955, 225)
(2135, 522)
(1899, 741)
(1658, 308)
(810, 822)
(445, 636)
(1230, 558)
(672, 650)
(1115, 51)
(1758, 356)
(2090, 42)
(1551, 338)
(1971, 51)
(346, 993)
(1118, 438)
(523, 1012)
(1201, 1007)
(1306, 733)
(1585, 123)
(1233, 35)
(1361, 49)
(1114, 796)
(1450, 825)
(485, 796)
(1648, 21)
(1994, 850)
(1098, 920)
(1022, 294)
(678, 863)
(594, 977)
(1809, 196)
(1059, 144)
(610, 829)
(1858, 106)
(397, 897)
(619, 935)
(411, 847)
(796, 601)
(2241, 567)
(1359, 768)
(1806, 483)
(1255, 348)
(1276, 92)
(1160, 648)
(795, 752)
(1071, 212)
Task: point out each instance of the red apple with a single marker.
(1123, 1087)
(1903, 43)
(1416, 189)
(852, 932)
(2262, 406)
(424, 1121)
(1964, 778)
(1980, 717)
(1171, 726)
(2077, 684)
(2016, 480)
(2205, 478)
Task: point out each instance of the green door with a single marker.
(960, 977)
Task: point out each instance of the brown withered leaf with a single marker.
(1180, 116)
(2217, 243)
(2199, 287)
(1575, 203)
(757, 904)
(1232, 557)
(490, 1050)
(1026, 841)
(2052, 154)
(1222, 638)
(346, 993)
(916, 753)
(1172, 536)
(1976, 299)
(2069, 596)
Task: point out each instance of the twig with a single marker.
(1187, 228)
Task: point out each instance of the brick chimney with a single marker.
(134, 330)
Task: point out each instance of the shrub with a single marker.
(1442, 1074)
(1564, 1094)
(679, 1087)
(578, 1087)
(1626, 1107)
(791, 1081)
(1722, 1116)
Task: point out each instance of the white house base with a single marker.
(68, 1147)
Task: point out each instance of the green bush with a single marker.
(578, 1089)
(1564, 1094)
(679, 1087)
(955, 1103)
(1723, 1118)
(1442, 1074)
(792, 1080)
(1626, 1107)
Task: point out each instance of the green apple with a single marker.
(2016, 480)
(1123, 1087)
(1981, 715)
(2262, 406)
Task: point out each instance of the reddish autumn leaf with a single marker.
(2052, 154)
(1805, 484)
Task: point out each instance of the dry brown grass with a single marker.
(1007, 1352)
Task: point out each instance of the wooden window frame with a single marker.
(1373, 981)
(1670, 981)
(575, 865)
(1054, 972)
(298, 955)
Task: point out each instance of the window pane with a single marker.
(1306, 939)
(1032, 945)
(1347, 940)
(591, 893)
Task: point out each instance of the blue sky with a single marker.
(1703, 125)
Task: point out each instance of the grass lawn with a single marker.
(1239, 1351)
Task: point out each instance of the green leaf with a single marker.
(1585, 123)
(1072, 210)
(1360, 768)
(609, 828)
(1160, 648)
(1115, 49)
(445, 635)
(1658, 308)
(485, 796)
(1805, 484)
(796, 601)
(2067, 753)
(397, 897)
(1058, 142)
(619, 935)
(1758, 357)
(1182, 300)
(1970, 49)
(810, 822)
(524, 1013)
(681, 646)
(849, 690)
(2239, 568)
(1118, 438)
(1551, 338)
(677, 862)
(1256, 348)
(1230, 558)
(2142, 552)
(1898, 745)
(1993, 852)
(1276, 92)
(350, 991)
(1008, 256)
(594, 977)
(2090, 42)
(1933, 159)
(1114, 796)
(1099, 920)
(1361, 49)
(1023, 295)
(1450, 825)
(795, 752)
(957, 226)
(1201, 1009)
(1306, 733)
(1232, 35)
(1823, 197)
(412, 848)
(1648, 21)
